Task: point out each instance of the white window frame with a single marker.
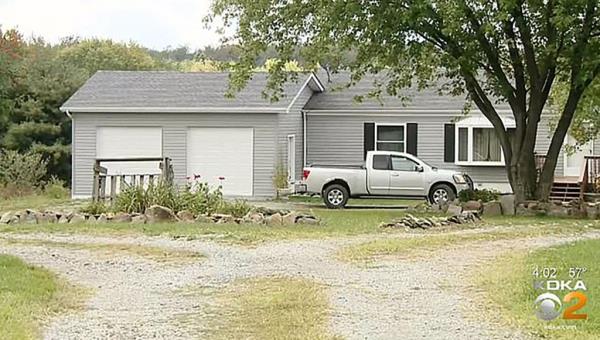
(470, 160)
(291, 158)
(403, 125)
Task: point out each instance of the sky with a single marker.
(152, 23)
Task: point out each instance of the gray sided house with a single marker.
(240, 142)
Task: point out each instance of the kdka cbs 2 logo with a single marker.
(558, 298)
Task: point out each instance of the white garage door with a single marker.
(222, 156)
(129, 142)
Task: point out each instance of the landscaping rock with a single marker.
(223, 218)
(77, 218)
(508, 204)
(185, 216)
(28, 217)
(311, 220)
(557, 210)
(290, 218)
(158, 213)
(91, 218)
(592, 210)
(472, 206)
(47, 217)
(138, 219)
(63, 219)
(102, 218)
(204, 219)
(454, 209)
(411, 222)
(493, 208)
(253, 217)
(274, 219)
(121, 217)
(7, 218)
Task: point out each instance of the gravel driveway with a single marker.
(136, 298)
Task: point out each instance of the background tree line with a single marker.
(36, 77)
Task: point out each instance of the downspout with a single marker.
(68, 113)
(303, 139)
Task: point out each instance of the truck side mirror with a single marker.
(419, 168)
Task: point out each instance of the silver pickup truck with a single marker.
(385, 174)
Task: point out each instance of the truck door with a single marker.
(406, 179)
(379, 175)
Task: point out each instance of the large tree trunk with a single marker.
(523, 177)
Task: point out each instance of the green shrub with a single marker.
(131, 199)
(236, 208)
(164, 194)
(199, 199)
(95, 208)
(21, 173)
(280, 177)
(485, 195)
(56, 188)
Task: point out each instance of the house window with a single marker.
(478, 146)
(390, 138)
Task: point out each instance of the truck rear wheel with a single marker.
(441, 193)
(335, 196)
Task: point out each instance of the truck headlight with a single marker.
(459, 179)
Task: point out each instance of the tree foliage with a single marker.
(509, 50)
(36, 78)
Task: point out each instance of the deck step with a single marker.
(564, 191)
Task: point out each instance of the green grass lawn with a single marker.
(28, 295)
(508, 288)
(38, 202)
(158, 254)
(272, 308)
(409, 247)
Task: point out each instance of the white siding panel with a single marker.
(338, 139)
(174, 127)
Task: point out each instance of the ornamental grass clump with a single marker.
(197, 198)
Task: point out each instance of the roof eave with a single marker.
(89, 109)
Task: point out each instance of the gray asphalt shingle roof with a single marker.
(162, 90)
(334, 98)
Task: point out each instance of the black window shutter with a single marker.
(411, 138)
(368, 138)
(449, 143)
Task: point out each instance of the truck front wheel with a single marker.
(335, 196)
(441, 193)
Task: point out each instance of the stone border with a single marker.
(159, 214)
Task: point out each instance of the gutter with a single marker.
(175, 109)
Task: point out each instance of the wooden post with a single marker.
(102, 187)
(96, 184)
(113, 188)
